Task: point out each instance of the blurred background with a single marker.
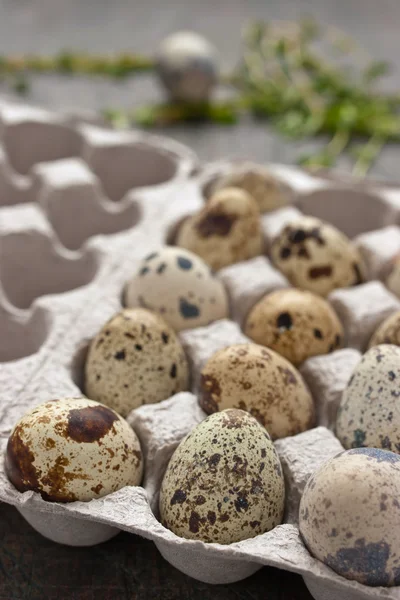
(99, 26)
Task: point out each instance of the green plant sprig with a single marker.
(295, 75)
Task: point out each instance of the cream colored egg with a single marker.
(258, 181)
(388, 332)
(296, 324)
(317, 257)
(261, 382)
(369, 412)
(393, 280)
(350, 516)
(226, 231)
(179, 286)
(73, 449)
(135, 359)
(224, 482)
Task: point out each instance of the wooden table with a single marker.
(129, 567)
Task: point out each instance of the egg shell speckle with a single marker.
(73, 449)
(369, 412)
(224, 482)
(179, 286)
(388, 332)
(317, 257)
(350, 515)
(267, 191)
(296, 324)
(135, 359)
(226, 231)
(261, 382)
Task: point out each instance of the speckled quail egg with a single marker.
(350, 515)
(267, 190)
(226, 231)
(388, 332)
(224, 482)
(296, 324)
(179, 286)
(135, 359)
(187, 66)
(393, 280)
(369, 412)
(261, 382)
(316, 256)
(73, 449)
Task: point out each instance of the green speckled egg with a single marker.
(224, 482)
(369, 413)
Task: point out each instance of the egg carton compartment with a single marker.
(61, 325)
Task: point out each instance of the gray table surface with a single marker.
(127, 567)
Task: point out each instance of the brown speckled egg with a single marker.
(261, 382)
(256, 180)
(179, 286)
(393, 280)
(226, 231)
(135, 359)
(317, 257)
(296, 324)
(224, 482)
(369, 412)
(73, 449)
(388, 332)
(350, 515)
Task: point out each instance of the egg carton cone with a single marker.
(80, 206)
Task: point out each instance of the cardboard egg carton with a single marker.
(80, 206)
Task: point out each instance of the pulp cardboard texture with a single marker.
(80, 206)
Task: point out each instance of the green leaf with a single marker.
(375, 70)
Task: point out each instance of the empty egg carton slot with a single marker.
(122, 167)
(67, 188)
(369, 211)
(29, 142)
(32, 265)
(23, 336)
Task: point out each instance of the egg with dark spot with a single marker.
(224, 482)
(136, 358)
(226, 231)
(350, 515)
(317, 257)
(296, 324)
(261, 382)
(369, 412)
(388, 332)
(179, 286)
(73, 449)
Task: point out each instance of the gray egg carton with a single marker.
(80, 205)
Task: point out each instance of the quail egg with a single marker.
(261, 382)
(224, 482)
(256, 180)
(226, 231)
(350, 515)
(187, 66)
(179, 286)
(393, 280)
(388, 332)
(135, 359)
(369, 412)
(317, 257)
(296, 324)
(73, 449)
